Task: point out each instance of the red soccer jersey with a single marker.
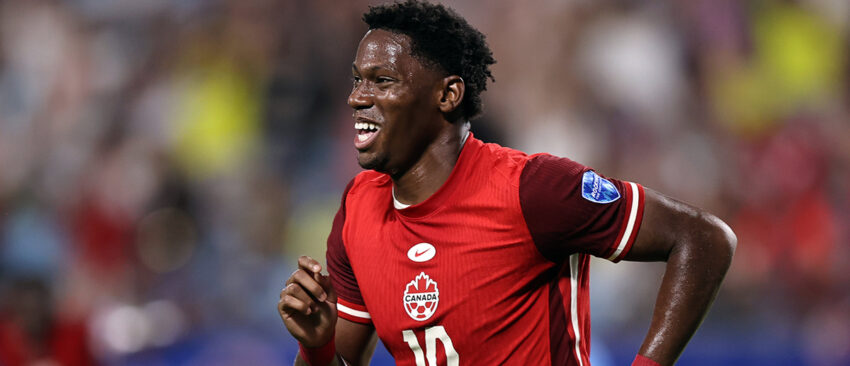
(492, 269)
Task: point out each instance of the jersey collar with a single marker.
(401, 206)
(460, 170)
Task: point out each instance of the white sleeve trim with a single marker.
(352, 312)
(574, 304)
(631, 224)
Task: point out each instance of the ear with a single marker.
(451, 93)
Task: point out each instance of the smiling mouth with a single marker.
(366, 133)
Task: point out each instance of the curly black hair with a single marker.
(442, 37)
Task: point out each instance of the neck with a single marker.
(433, 168)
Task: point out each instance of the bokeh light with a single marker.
(164, 163)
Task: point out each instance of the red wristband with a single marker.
(319, 356)
(642, 360)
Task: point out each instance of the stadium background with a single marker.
(163, 163)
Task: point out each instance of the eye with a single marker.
(355, 80)
(384, 79)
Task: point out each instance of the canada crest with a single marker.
(421, 297)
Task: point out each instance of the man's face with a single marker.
(396, 103)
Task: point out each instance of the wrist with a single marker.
(318, 356)
(642, 360)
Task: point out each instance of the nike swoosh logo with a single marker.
(421, 252)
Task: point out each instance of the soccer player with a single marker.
(458, 252)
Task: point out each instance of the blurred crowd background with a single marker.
(164, 162)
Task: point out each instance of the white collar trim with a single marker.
(398, 205)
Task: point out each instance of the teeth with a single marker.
(362, 137)
(365, 126)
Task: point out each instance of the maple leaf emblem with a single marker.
(421, 284)
(421, 297)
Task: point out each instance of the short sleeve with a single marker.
(569, 208)
(350, 303)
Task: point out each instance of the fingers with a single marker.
(314, 269)
(325, 281)
(293, 300)
(309, 264)
(307, 304)
(309, 283)
(291, 305)
(305, 289)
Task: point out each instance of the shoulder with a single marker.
(503, 155)
(525, 169)
(499, 161)
(543, 166)
(520, 168)
(548, 182)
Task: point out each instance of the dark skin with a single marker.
(418, 144)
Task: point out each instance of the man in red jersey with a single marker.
(454, 251)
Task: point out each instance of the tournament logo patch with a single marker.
(421, 297)
(597, 189)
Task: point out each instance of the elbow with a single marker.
(727, 237)
(718, 240)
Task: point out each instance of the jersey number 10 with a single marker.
(432, 334)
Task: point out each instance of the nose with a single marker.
(360, 97)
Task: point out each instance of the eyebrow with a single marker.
(372, 68)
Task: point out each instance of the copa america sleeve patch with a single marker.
(597, 189)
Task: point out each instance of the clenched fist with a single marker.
(307, 304)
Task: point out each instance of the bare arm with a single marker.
(698, 249)
(307, 307)
(355, 343)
